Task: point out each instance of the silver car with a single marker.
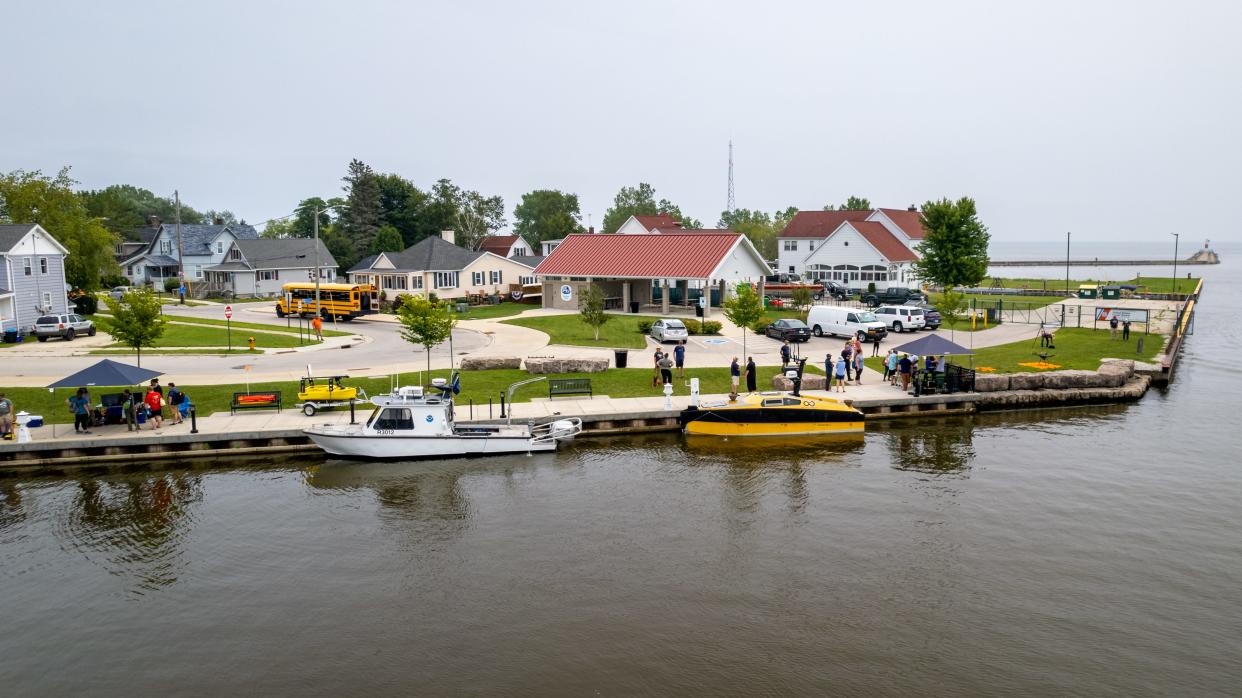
(116, 293)
(64, 326)
(669, 331)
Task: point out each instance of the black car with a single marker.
(793, 330)
(931, 316)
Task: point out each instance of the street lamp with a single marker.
(1175, 241)
(1067, 262)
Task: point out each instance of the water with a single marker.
(1088, 552)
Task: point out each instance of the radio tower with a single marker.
(730, 204)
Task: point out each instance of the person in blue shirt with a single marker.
(80, 406)
(785, 354)
(679, 356)
(735, 376)
(839, 372)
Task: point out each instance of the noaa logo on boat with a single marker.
(715, 341)
(429, 419)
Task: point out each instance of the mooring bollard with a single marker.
(193, 421)
(1139, 348)
(502, 405)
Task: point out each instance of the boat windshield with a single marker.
(395, 418)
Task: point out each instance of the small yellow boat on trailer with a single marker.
(772, 414)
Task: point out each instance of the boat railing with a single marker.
(513, 387)
(557, 430)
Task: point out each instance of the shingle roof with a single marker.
(885, 242)
(162, 260)
(530, 260)
(667, 256)
(230, 266)
(196, 238)
(819, 224)
(284, 253)
(429, 254)
(10, 235)
(498, 244)
(910, 222)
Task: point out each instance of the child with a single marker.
(840, 372)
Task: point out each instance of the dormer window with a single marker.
(219, 247)
(234, 254)
(166, 246)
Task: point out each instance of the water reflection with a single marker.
(137, 524)
(12, 510)
(942, 449)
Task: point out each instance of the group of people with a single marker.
(735, 376)
(666, 362)
(1125, 328)
(847, 366)
(902, 370)
(150, 405)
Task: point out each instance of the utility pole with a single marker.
(317, 272)
(1175, 241)
(180, 250)
(730, 203)
(1067, 260)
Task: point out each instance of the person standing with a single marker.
(128, 406)
(156, 387)
(317, 326)
(858, 366)
(1125, 330)
(679, 354)
(735, 373)
(751, 377)
(875, 344)
(905, 366)
(785, 354)
(1112, 328)
(155, 405)
(839, 373)
(80, 406)
(655, 365)
(6, 415)
(941, 368)
(666, 370)
(175, 398)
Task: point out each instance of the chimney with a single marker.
(447, 236)
(913, 208)
(218, 221)
(153, 221)
(591, 230)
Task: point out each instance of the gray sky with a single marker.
(1114, 120)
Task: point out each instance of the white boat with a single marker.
(413, 424)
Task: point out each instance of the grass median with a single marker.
(181, 336)
(292, 328)
(476, 386)
(621, 331)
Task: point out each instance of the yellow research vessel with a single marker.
(773, 414)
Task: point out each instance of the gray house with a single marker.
(262, 267)
(204, 247)
(32, 275)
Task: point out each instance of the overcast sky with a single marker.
(1116, 120)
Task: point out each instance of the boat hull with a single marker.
(770, 421)
(411, 447)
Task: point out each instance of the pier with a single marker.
(1202, 257)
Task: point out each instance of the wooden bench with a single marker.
(569, 386)
(255, 401)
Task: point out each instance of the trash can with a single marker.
(1110, 293)
(10, 336)
(767, 302)
(621, 357)
(993, 316)
(698, 311)
(634, 307)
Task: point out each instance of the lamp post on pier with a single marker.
(1175, 241)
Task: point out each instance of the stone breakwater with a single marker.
(1111, 374)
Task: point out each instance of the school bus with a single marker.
(342, 301)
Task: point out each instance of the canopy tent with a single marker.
(934, 345)
(107, 373)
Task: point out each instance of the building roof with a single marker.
(498, 244)
(429, 254)
(819, 224)
(660, 220)
(530, 260)
(196, 238)
(284, 253)
(162, 260)
(883, 241)
(693, 231)
(10, 235)
(231, 266)
(665, 256)
(910, 222)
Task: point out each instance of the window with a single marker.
(498, 276)
(790, 246)
(129, 271)
(847, 243)
(791, 269)
(47, 300)
(26, 266)
(476, 278)
(418, 281)
(234, 254)
(166, 246)
(393, 281)
(526, 280)
(393, 418)
(219, 247)
(267, 275)
(518, 252)
(446, 279)
(198, 271)
(43, 265)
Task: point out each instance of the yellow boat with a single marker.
(772, 414)
(323, 392)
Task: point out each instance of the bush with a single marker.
(870, 287)
(712, 327)
(85, 304)
(693, 327)
(761, 325)
(171, 285)
(644, 326)
(113, 281)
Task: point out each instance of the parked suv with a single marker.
(900, 318)
(931, 316)
(895, 295)
(64, 326)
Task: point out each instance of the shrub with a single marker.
(870, 287)
(712, 327)
(171, 285)
(760, 325)
(113, 280)
(644, 326)
(85, 304)
(693, 327)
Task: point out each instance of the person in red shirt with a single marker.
(155, 403)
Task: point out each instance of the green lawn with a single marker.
(487, 312)
(235, 301)
(174, 352)
(1076, 348)
(1151, 284)
(478, 386)
(291, 329)
(206, 336)
(621, 331)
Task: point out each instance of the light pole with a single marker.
(1175, 241)
(1067, 262)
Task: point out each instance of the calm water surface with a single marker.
(1087, 552)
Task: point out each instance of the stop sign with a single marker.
(228, 312)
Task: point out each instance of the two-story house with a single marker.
(32, 276)
(436, 265)
(262, 267)
(853, 248)
(204, 246)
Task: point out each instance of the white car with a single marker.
(668, 330)
(900, 318)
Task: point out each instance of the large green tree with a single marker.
(477, 217)
(32, 197)
(758, 226)
(425, 322)
(363, 211)
(124, 208)
(546, 214)
(404, 207)
(641, 201)
(853, 203)
(387, 240)
(302, 225)
(137, 320)
(954, 250)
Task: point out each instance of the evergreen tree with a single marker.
(387, 240)
(363, 211)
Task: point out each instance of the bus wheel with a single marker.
(280, 312)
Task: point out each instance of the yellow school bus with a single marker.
(342, 301)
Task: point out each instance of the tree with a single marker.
(759, 227)
(302, 225)
(546, 214)
(801, 297)
(641, 201)
(361, 219)
(278, 229)
(743, 308)
(477, 216)
(954, 250)
(673, 210)
(425, 322)
(591, 308)
(951, 305)
(853, 203)
(387, 240)
(124, 208)
(136, 320)
(341, 247)
(404, 207)
(31, 197)
(225, 217)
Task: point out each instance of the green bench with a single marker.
(569, 386)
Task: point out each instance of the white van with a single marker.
(844, 322)
(900, 318)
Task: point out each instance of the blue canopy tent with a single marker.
(107, 373)
(955, 379)
(934, 345)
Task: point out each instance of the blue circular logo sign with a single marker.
(430, 419)
(567, 292)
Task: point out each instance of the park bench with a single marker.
(256, 400)
(569, 386)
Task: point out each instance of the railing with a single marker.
(1185, 325)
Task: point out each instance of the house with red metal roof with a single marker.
(659, 270)
(853, 248)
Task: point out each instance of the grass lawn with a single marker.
(478, 386)
(1076, 348)
(174, 352)
(291, 329)
(621, 331)
(25, 339)
(206, 336)
(487, 312)
(1151, 284)
(1009, 301)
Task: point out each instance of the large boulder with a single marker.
(485, 363)
(1071, 378)
(991, 382)
(1115, 373)
(1026, 381)
(810, 381)
(553, 365)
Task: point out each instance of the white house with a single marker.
(436, 265)
(204, 247)
(506, 246)
(32, 276)
(262, 267)
(853, 248)
(645, 225)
